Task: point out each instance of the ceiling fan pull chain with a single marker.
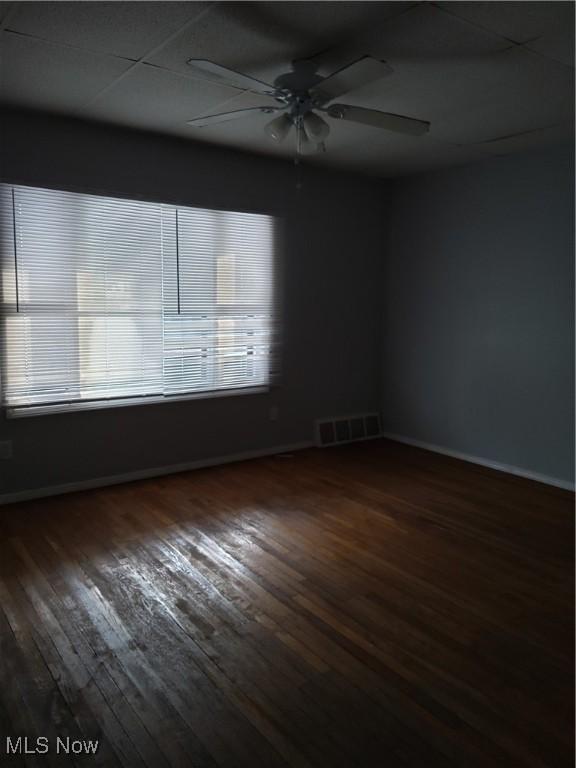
(299, 182)
(297, 161)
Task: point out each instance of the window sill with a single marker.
(95, 405)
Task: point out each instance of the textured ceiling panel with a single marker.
(392, 154)
(264, 38)
(225, 36)
(531, 139)
(39, 74)
(5, 10)
(124, 29)
(517, 21)
(331, 33)
(425, 35)
(159, 99)
(498, 94)
(456, 64)
(557, 45)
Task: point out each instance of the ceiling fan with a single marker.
(303, 97)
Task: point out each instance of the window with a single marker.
(109, 301)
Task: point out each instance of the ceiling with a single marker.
(491, 77)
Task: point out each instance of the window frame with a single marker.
(87, 404)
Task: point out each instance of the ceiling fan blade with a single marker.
(224, 76)
(377, 119)
(365, 70)
(224, 117)
(328, 61)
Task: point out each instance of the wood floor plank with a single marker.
(369, 605)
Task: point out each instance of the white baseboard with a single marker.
(508, 468)
(143, 474)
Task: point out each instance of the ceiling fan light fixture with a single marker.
(278, 128)
(315, 127)
(308, 147)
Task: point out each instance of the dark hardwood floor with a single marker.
(372, 605)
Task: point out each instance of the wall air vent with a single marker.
(347, 429)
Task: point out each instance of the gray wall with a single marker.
(478, 345)
(461, 284)
(331, 330)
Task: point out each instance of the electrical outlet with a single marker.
(5, 449)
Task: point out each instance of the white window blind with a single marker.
(109, 301)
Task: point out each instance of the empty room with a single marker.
(287, 384)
